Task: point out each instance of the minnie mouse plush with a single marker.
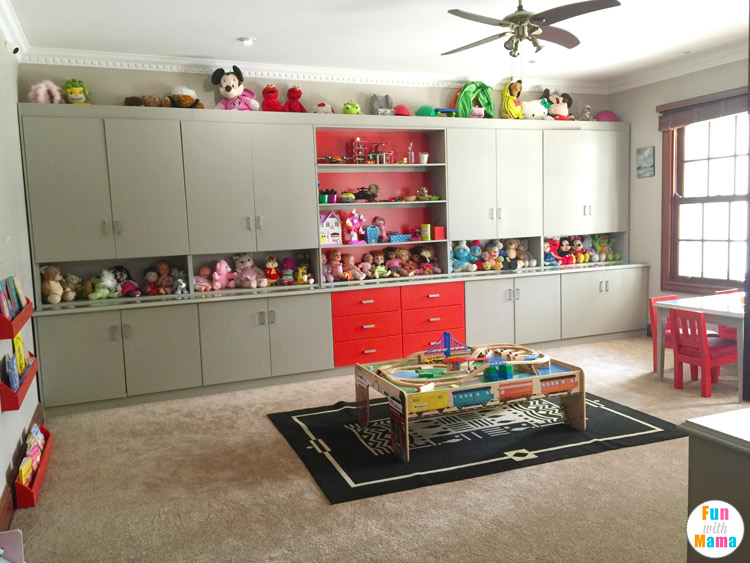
(235, 95)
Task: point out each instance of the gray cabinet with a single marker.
(147, 187)
(81, 358)
(490, 315)
(68, 189)
(162, 349)
(219, 187)
(604, 301)
(235, 342)
(537, 308)
(519, 183)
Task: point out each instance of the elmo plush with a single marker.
(293, 104)
(270, 99)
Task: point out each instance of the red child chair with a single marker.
(653, 316)
(727, 331)
(692, 346)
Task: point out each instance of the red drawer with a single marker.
(432, 295)
(366, 326)
(423, 340)
(360, 302)
(367, 351)
(433, 318)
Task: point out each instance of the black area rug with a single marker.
(351, 462)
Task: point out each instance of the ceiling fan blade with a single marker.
(557, 35)
(477, 43)
(478, 18)
(572, 10)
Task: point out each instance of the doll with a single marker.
(549, 258)
(327, 269)
(565, 252)
(428, 262)
(202, 281)
(165, 281)
(287, 271)
(476, 255)
(404, 255)
(415, 260)
(272, 270)
(350, 269)
(379, 269)
(151, 276)
(125, 285)
(337, 268)
(379, 222)
(366, 265)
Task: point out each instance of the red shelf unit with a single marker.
(27, 497)
(9, 329)
(12, 400)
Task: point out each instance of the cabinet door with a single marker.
(162, 348)
(537, 309)
(219, 186)
(472, 185)
(80, 358)
(147, 187)
(519, 183)
(235, 345)
(489, 312)
(609, 204)
(570, 177)
(285, 192)
(68, 186)
(626, 293)
(584, 305)
(301, 333)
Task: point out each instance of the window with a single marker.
(705, 206)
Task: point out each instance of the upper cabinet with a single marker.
(585, 181)
(519, 183)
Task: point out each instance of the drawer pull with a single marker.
(434, 319)
(368, 301)
(368, 326)
(369, 351)
(433, 295)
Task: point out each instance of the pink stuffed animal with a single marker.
(248, 274)
(46, 92)
(223, 276)
(234, 94)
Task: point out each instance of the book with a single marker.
(14, 382)
(4, 290)
(20, 357)
(19, 292)
(4, 308)
(11, 289)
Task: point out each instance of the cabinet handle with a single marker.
(368, 326)
(250, 223)
(500, 213)
(271, 317)
(510, 295)
(492, 212)
(369, 351)
(105, 228)
(262, 317)
(368, 301)
(591, 209)
(127, 330)
(606, 285)
(584, 209)
(259, 222)
(434, 319)
(601, 285)
(117, 227)
(433, 295)
(518, 293)
(114, 333)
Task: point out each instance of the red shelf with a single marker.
(9, 329)
(26, 497)
(12, 400)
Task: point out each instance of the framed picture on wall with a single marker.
(644, 162)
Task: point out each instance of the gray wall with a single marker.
(638, 106)
(14, 245)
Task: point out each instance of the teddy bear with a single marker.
(234, 94)
(182, 97)
(271, 99)
(72, 287)
(293, 105)
(147, 101)
(223, 276)
(513, 260)
(248, 273)
(52, 289)
(510, 107)
(523, 250)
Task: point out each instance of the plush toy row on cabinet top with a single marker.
(474, 99)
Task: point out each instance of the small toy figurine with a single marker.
(223, 276)
(270, 99)
(165, 280)
(234, 94)
(76, 91)
(379, 222)
(370, 193)
(327, 270)
(354, 225)
(423, 194)
(351, 108)
(366, 265)
(287, 271)
(379, 269)
(293, 104)
(271, 271)
(202, 282)
(151, 276)
(349, 268)
(337, 268)
(125, 286)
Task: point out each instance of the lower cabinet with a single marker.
(252, 339)
(489, 312)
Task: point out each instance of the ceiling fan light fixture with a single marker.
(247, 41)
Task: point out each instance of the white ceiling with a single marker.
(638, 42)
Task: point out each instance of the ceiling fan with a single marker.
(533, 27)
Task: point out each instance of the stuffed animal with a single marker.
(272, 270)
(428, 261)
(477, 112)
(425, 111)
(476, 258)
(579, 252)
(523, 250)
(493, 256)
(46, 92)
(147, 101)
(248, 274)
(125, 285)
(52, 289)
(381, 105)
(76, 91)
(565, 252)
(550, 259)
(559, 105)
(513, 259)
(588, 245)
(603, 244)
(461, 254)
(271, 98)
(323, 107)
(401, 109)
(536, 109)
(72, 287)
(180, 287)
(182, 97)
(233, 92)
(287, 271)
(586, 114)
(293, 105)
(223, 276)
(101, 288)
(510, 107)
(351, 108)
(303, 278)
(474, 94)
(202, 282)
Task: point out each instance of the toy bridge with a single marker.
(446, 346)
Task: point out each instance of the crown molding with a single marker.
(11, 27)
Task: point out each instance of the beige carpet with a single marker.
(210, 479)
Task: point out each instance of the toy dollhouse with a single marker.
(330, 228)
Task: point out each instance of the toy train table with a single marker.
(451, 376)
